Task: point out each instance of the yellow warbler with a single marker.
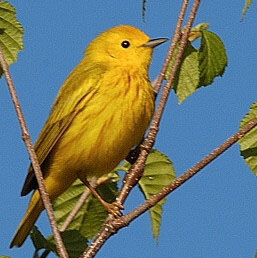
(101, 112)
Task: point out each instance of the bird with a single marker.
(101, 112)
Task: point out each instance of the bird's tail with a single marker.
(35, 208)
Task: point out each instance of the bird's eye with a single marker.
(125, 44)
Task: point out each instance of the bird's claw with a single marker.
(114, 209)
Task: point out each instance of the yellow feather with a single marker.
(101, 112)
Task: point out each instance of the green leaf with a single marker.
(92, 215)
(65, 203)
(172, 62)
(159, 172)
(187, 78)
(198, 67)
(212, 57)
(248, 143)
(39, 241)
(11, 33)
(74, 242)
(246, 7)
(93, 219)
(4, 256)
(196, 32)
(201, 27)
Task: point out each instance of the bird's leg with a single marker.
(112, 208)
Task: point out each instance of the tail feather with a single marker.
(27, 223)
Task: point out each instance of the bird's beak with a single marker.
(155, 42)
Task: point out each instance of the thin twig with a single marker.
(114, 225)
(78, 205)
(74, 211)
(177, 34)
(136, 170)
(27, 140)
(125, 220)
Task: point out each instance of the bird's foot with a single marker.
(113, 208)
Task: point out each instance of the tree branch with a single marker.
(78, 205)
(136, 171)
(74, 211)
(27, 140)
(125, 220)
(177, 34)
(113, 226)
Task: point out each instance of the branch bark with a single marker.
(125, 220)
(113, 226)
(177, 34)
(33, 157)
(136, 171)
(74, 211)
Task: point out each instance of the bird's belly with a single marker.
(95, 148)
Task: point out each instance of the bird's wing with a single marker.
(48, 138)
(51, 134)
(54, 128)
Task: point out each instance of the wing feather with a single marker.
(54, 129)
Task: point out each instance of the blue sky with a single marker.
(213, 214)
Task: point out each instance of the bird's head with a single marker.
(123, 46)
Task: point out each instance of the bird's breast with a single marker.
(109, 125)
